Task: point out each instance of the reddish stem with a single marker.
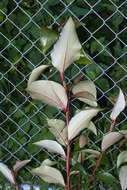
(68, 148)
(14, 177)
(68, 185)
(97, 166)
(112, 125)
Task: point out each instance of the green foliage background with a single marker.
(104, 38)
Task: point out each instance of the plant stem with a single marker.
(68, 185)
(97, 166)
(68, 148)
(68, 167)
(112, 125)
(14, 177)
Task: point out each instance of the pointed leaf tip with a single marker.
(67, 48)
(122, 158)
(49, 174)
(49, 92)
(20, 164)
(80, 121)
(51, 146)
(123, 177)
(7, 172)
(88, 89)
(110, 139)
(119, 106)
(36, 72)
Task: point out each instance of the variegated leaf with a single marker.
(67, 48)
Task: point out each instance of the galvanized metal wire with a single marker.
(7, 153)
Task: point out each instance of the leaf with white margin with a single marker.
(92, 128)
(49, 92)
(122, 158)
(123, 177)
(95, 153)
(62, 138)
(49, 174)
(48, 162)
(58, 123)
(58, 129)
(20, 164)
(51, 146)
(7, 173)
(67, 48)
(119, 106)
(56, 126)
(110, 139)
(86, 86)
(36, 72)
(80, 121)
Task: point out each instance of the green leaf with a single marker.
(84, 58)
(93, 71)
(122, 158)
(117, 19)
(106, 177)
(79, 11)
(47, 37)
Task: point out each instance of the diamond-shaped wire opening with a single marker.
(123, 9)
(4, 41)
(80, 9)
(105, 9)
(9, 30)
(54, 8)
(117, 22)
(16, 16)
(94, 19)
(116, 47)
(22, 43)
(33, 56)
(122, 36)
(103, 35)
(30, 7)
(12, 54)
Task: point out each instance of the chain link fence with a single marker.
(103, 34)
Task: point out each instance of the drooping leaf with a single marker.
(48, 162)
(49, 92)
(123, 177)
(110, 139)
(119, 106)
(80, 121)
(49, 174)
(51, 146)
(89, 90)
(92, 128)
(7, 173)
(19, 165)
(95, 153)
(86, 95)
(58, 123)
(106, 177)
(58, 129)
(62, 138)
(48, 38)
(74, 172)
(122, 158)
(67, 48)
(36, 72)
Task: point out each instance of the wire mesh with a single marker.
(103, 36)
